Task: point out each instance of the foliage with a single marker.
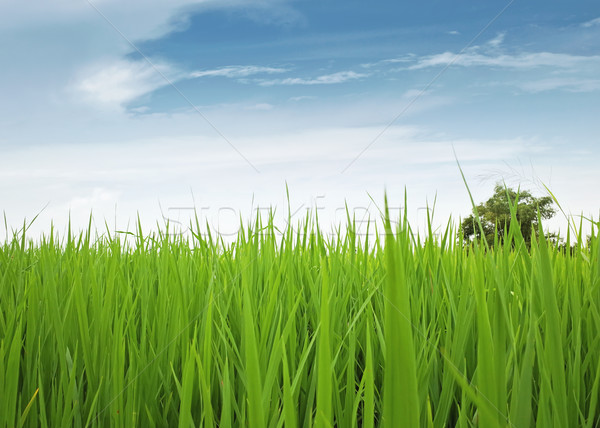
(298, 330)
(495, 215)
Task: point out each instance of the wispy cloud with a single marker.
(383, 62)
(516, 61)
(567, 84)
(497, 41)
(302, 98)
(326, 79)
(261, 107)
(492, 54)
(123, 81)
(591, 23)
(237, 71)
(412, 93)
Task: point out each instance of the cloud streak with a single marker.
(518, 61)
(326, 79)
(591, 23)
(123, 81)
(407, 59)
(237, 71)
(492, 54)
(567, 84)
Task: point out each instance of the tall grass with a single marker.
(299, 330)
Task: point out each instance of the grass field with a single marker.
(299, 330)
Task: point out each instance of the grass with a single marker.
(299, 330)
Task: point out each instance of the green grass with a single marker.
(298, 330)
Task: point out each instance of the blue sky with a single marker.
(153, 106)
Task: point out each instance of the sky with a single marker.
(150, 109)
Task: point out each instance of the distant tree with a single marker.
(562, 246)
(495, 215)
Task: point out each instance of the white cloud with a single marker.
(123, 81)
(98, 196)
(302, 98)
(82, 48)
(453, 33)
(122, 178)
(591, 23)
(567, 84)
(234, 71)
(327, 79)
(408, 58)
(261, 107)
(497, 41)
(141, 109)
(137, 19)
(413, 93)
(490, 54)
(517, 61)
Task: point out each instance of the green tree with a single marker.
(495, 215)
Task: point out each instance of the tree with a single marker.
(495, 215)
